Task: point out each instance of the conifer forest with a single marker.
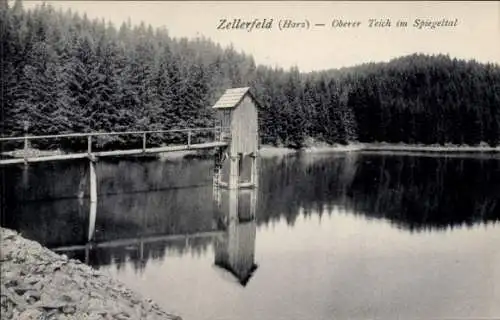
(63, 72)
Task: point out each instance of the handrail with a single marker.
(115, 133)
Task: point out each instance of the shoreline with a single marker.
(38, 283)
(273, 151)
(429, 148)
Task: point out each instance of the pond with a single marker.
(325, 236)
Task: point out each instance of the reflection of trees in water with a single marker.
(48, 181)
(119, 256)
(45, 181)
(425, 193)
(50, 223)
(309, 183)
(135, 198)
(415, 193)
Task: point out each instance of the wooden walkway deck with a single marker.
(91, 154)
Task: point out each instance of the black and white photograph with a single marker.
(249, 160)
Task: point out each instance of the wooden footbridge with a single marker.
(235, 139)
(94, 154)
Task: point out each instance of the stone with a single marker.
(96, 305)
(121, 315)
(11, 283)
(52, 314)
(9, 274)
(69, 309)
(31, 280)
(20, 290)
(9, 237)
(134, 300)
(32, 296)
(30, 314)
(38, 286)
(37, 283)
(94, 316)
(7, 307)
(67, 298)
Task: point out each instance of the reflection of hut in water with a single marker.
(235, 250)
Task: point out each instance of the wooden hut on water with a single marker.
(237, 114)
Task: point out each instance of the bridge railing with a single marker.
(97, 140)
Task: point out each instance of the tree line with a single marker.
(63, 72)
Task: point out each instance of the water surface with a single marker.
(343, 236)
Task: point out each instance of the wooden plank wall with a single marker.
(244, 127)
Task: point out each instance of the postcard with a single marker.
(244, 160)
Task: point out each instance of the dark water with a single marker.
(330, 236)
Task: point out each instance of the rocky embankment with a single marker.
(37, 283)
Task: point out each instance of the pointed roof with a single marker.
(231, 98)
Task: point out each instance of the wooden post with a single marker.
(144, 142)
(87, 253)
(26, 141)
(233, 172)
(189, 138)
(92, 218)
(233, 206)
(26, 148)
(81, 185)
(93, 182)
(25, 177)
(215, 181)
(219, 175)
(89, 146)
(254, 175)
(217, 171)
(253, 203)
(141, 249)
(217, 195)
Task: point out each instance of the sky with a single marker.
(475, 36)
